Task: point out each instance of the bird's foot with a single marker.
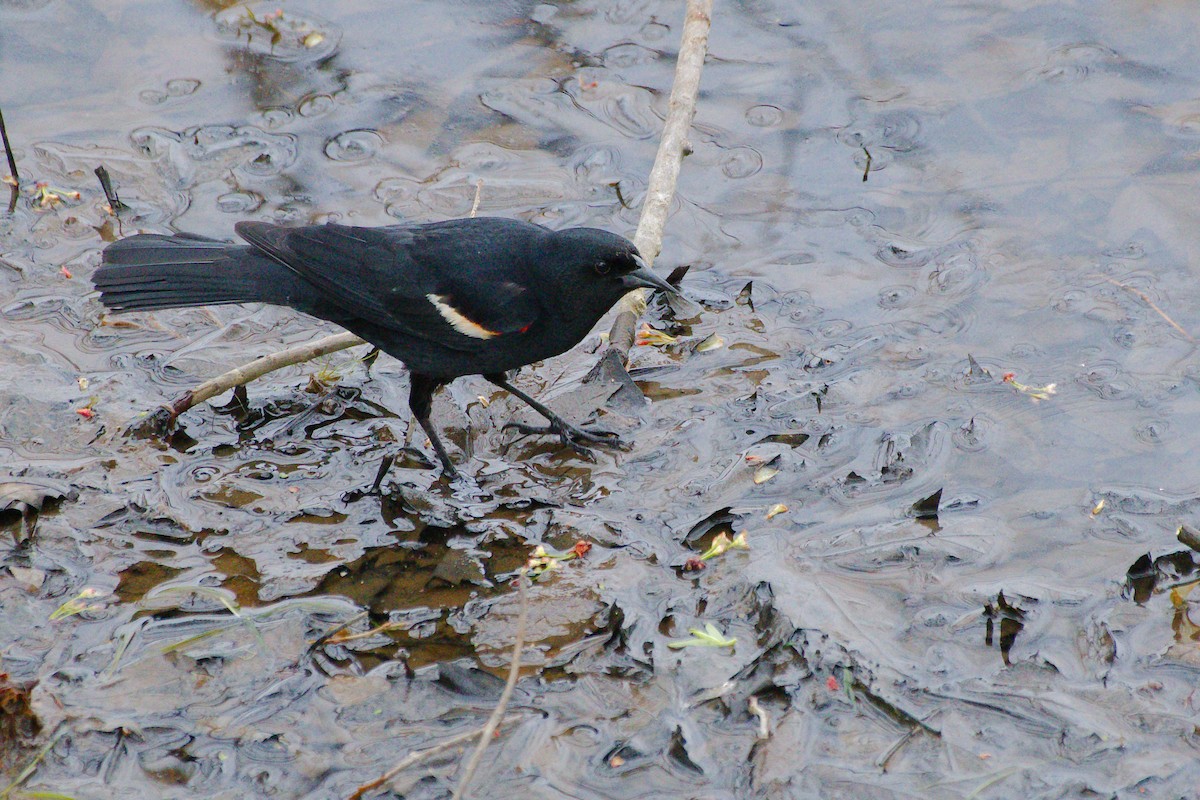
(572, 436)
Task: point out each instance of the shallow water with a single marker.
(1030, 208)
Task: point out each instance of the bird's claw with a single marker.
(570, 435)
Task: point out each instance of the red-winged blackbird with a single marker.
(477, 296)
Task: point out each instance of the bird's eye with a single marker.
(603, 268)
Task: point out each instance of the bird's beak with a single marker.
(643, 277)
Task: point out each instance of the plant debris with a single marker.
(709, 636)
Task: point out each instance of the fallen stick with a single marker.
(424, 755)
(514, 671)
(166, 415)
(660, 189)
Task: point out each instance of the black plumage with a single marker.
(477, 296)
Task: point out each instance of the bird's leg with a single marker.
(571, 435)
(420, 400)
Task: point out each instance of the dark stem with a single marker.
(110, 193)
(12, 162)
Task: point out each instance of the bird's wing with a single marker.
(458, 286)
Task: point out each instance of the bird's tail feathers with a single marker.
(154, 271)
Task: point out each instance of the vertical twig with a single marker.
(660, 188)
(478, 197)
(12, 161)
(110, 193)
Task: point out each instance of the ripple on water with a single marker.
(535, 102)
(974, 435)
(396, 195)
(1152, 431)
(271, 750)
(626, 12)
(316, 105)
(898, 130)
(240, 202)
(513, 181)
(629, 55)
(602, 167)
(273, 118)
(943, 322)
(627, 109)
(764, 116)
(1131, 251)
(895, 255)
(1072, 62)
(956, 276)
(357, 145)
(176, 87)
(741, 162)
(896, 297)
(209, 151)
(654, 31)
(1106, 380)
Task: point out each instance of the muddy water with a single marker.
(887, 210)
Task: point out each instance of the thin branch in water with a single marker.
(32, 765)
(423, 755)
(110, 193)
(885, 760)
(12, 161)
(514, 671)
(165, 417)
(616, 185)
(660, 188)
(1150, 303)
(325, 637)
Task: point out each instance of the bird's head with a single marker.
(599, 268)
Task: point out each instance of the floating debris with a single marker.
(766, 471)
(47, 196)
(649, 336)
(722, 544)
(709, 636)
(1035, 392)
(543, 561)
(764, 721)
(927, 507)
(78, 604)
